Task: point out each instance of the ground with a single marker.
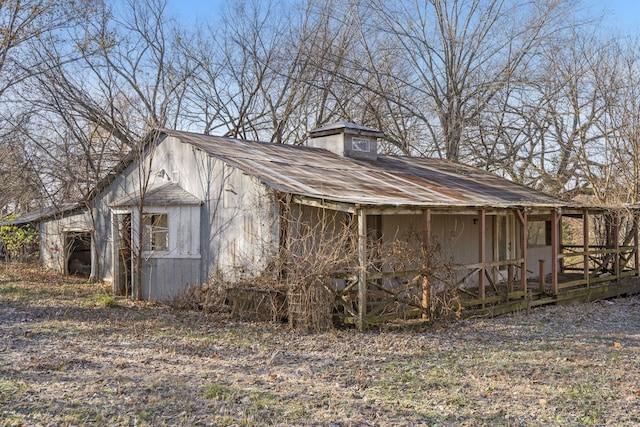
(70, 354)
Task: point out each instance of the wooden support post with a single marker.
(636, 243)
(556, 218)
(509, 280)
(426, 245)
(616, 243)
(362, 273)
(481, 252)
(495, 271)
(559, 246)
(522, 217)
(585, 233)
(555, 237)
(541, 275)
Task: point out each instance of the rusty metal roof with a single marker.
(387, 181)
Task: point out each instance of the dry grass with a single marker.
(71, 356)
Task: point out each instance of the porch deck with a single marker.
(608, 275)
(578, 260)
(572, 287)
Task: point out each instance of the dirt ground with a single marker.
(72, 355)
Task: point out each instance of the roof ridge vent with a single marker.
(347, 139)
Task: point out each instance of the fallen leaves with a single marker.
(147, 364)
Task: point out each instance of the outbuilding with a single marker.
(395, 231)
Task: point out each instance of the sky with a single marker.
(195, 9)
(622, 15)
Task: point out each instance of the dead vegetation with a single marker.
(310, 282)
(298, 283)
(67, 358)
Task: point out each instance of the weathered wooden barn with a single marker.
(195, 207)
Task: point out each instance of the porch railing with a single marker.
(598, 263)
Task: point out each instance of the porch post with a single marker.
(556, 218)
(616, 237)
(636, 242)
(495, 271)
(560, 240)
(585, 234)
(426, 244)
(522, 216)
(481, 252)
(362, 273)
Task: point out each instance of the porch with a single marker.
(592, 254)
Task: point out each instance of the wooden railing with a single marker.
(598, 263)
(380, 297)
(387, 290)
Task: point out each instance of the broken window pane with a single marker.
(156, 232)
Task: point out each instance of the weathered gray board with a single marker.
(165, 278)
(626, 286)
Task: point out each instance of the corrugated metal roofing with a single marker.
(163, 194)
(48, 212)
(387, 181)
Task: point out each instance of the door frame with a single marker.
(119, 268)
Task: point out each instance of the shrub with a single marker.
(17, 240)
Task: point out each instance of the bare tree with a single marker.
(21, 185)
(462, 54)
(94, 98)
(612, 166)
(22, 24)
(273, 73)
(236, 60)
(545, 127)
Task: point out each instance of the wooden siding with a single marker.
(165, 278)
(239, 213)
(52, 232)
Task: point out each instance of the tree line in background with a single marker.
(533, 91)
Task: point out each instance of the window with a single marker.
(156, 232)
(360, 144)
(539, 233)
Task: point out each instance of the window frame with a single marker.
(155, 232)
(543, 227)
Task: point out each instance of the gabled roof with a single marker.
(163, 194)
(387, 181)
